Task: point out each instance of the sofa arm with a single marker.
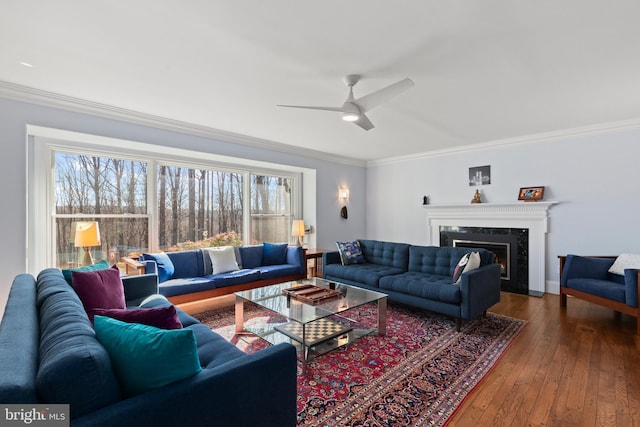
(582, 267)
(295, 256)
(631, 282)
(480, 290)
(137, 288)
(332, 257)
(258, 389)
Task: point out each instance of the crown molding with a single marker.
(597, 129)
(55, 100)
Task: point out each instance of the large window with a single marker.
(111, 192)
(199, 207)
(153, 205)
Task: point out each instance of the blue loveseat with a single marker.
(421, 276)
(49, 354)
(187, 275)
(589, 278)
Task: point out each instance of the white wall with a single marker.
(15, 116)
(594, 177)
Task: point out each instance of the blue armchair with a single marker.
(588, 278)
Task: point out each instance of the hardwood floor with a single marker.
(573, 367)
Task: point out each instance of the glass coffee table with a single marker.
(314, 327)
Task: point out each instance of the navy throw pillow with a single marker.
(350, 252)
(274, 253)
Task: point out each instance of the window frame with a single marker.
(43, 143)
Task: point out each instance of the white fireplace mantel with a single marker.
(530, 215)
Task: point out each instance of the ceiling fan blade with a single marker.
(364, 122)
(313, 108)
(376, 98)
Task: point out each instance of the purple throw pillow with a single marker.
(99, 289)
(160, 317)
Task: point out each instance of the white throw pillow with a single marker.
(468, 262)
(625, 261)
(223, 259)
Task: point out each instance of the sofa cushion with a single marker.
(235, 277)
(273, 271)
(186, 286)
(223, 259)
(274, 253)
(213, 349)
(251, 256)
(469, 261)
(366, 273)
(99, 289)
(442, 261)
(624, 261)
(350, 252)
(188, 263)
(145, 357)
(100, 265)
(164, 264)
(388, 254)
(428, 286)
(160, 317)
(74, 367)
(604, 288)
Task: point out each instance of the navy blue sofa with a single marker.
(421, 276)
(588, 278)
(191, 277)
(48, 348)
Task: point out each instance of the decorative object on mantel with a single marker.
(479, 175)
(476, 197)
(531, 194)
(425, 200)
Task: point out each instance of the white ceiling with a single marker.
(483, 70)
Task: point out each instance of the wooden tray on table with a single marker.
(311, 294)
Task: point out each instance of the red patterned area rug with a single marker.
(418, 374)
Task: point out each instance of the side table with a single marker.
(315, 267)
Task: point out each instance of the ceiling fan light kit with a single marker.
(353, 110)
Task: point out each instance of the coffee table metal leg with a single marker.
(239, 314)
(382, 316)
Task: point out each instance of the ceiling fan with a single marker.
(353, 110)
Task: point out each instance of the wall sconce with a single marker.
(343, 196)
(86, 234)
(297, 230)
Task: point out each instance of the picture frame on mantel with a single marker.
(531, 194)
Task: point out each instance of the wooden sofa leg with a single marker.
(563, 299)
(458, 324)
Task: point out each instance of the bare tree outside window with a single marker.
(196, 207)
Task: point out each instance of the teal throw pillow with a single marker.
(274, 253)
(145, 357)
(350, 252)
(100, 265)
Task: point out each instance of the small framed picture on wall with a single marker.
(479, 175)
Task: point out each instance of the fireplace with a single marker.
(532, 217)
(508, 245)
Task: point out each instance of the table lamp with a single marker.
(297, 230)
(87, 234)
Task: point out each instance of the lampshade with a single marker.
(297, 230)
(87, 233)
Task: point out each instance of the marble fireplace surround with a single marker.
(530, 215)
